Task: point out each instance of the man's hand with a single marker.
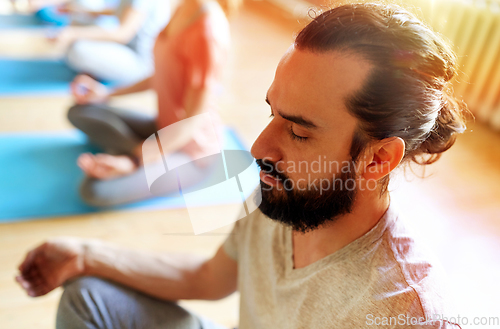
(86, 90)
(51, 264)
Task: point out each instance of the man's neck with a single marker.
(314, 245)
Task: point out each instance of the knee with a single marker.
(80, 304)
(75, 289)
(74, 112)
(78, 112)
(73, 308)
(77, 55)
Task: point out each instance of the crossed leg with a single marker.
(114, 178)
(93, 303)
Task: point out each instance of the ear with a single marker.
(382, 158)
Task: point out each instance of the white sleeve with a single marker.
(144, 6)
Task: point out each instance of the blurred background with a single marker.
(455, 208)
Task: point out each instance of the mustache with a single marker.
(270, 168)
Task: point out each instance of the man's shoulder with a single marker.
(408, 281)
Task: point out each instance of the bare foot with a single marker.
(105, 166)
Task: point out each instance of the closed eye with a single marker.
(295, 136)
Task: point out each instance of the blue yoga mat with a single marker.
(39, 176)
(20, 77)
(36, 77)
(20, 21)
(48, 17)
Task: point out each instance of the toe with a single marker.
(85, 161)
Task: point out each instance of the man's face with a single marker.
(305, 148)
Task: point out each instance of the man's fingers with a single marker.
(39, 290)
(25, 284)
(29, 259)
(33, 288)
(32, 276)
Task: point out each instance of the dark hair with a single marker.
(407, 94)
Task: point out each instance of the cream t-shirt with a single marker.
(384, 279)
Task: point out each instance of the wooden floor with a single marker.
(456, 209)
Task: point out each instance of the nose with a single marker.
(266, 146)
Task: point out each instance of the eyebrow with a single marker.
(297, 119)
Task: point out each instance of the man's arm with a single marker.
(168, 276)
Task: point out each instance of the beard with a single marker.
(307, 209)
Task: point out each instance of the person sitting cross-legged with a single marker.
(190, 55)
(362, 91)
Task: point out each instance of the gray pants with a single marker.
(119, 131)
(92, 303)
(109, 61)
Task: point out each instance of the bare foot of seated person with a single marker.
(105, 166)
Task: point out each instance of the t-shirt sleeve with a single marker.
(231, 244)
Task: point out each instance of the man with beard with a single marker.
(363, 89)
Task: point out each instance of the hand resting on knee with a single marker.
(51, 264)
